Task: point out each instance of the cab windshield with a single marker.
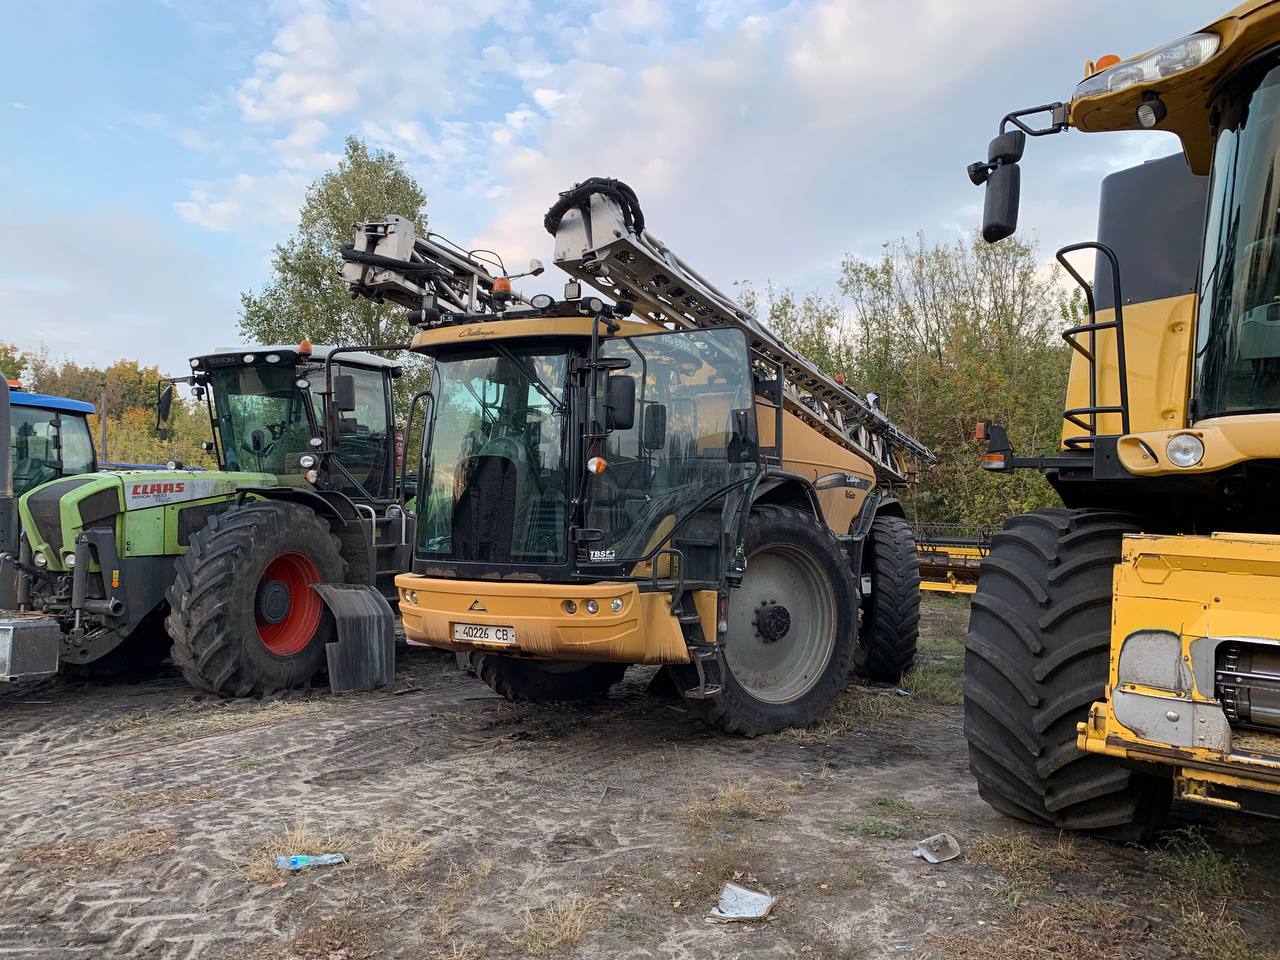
(45, 445)
(1238, 333)
(262, 419)
(494, 478)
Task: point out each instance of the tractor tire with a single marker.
(1037, 655)
(242, 615)
(542, 681)
(890, 627)
(792, 629)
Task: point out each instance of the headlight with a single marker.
(1185, 450)
(306, 461)
(249, 358)
(69, 559)
(616, 604)
(39, 559)
(1173, 58)
(592, 606)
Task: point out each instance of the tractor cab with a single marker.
(49, 438)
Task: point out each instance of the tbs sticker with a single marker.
(603, 556)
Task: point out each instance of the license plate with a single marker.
(483, 633)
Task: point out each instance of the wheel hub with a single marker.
(273, 601)
(773, 622)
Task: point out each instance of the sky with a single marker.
(153, 151)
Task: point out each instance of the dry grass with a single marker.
(1193, 865)
(549, 930)
(1207, 930)
(457, 950)
(98, 855)
(258, 864)
(735, 802)
(858, 709)
(189, 720)
(1077, 928)
(400, 851)
(1028, 859)
(151, 799)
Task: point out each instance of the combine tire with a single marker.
(243, 617)
(891, 612)
(792, 629)
(540, 681)
(1036, 656)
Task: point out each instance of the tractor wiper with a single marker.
(535, 381)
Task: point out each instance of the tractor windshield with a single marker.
(45, 445)
(1238, 336)
(691, 440)
(262, 418)
(494, 479)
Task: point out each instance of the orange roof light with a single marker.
(840, 379)
(501, 285)
(1102, 63)
(304, 347)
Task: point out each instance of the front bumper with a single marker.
(1177, 600)
(643, 631)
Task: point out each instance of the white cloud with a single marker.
(244, 202)
(630, 16)
(18, 105)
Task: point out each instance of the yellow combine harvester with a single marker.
(657, 479)
(1125, 649)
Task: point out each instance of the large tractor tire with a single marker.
(890, 627)
(243, 617)
(1036, 656)
(541, 681)
(792, 629)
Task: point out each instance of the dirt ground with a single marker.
(142, 820)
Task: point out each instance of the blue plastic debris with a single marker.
(302, 861)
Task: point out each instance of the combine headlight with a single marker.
(570, 607)
(1185, 450)
(616, 604)
(249, 358)
(1173, 58)
(592, 606)
(306, 461)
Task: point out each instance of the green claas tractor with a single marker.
(260, 573)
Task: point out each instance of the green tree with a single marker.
(13, 362)
(948, 334)
(305, 296)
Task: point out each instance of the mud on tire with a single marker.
(806, 687)
(217, 619)
(1036, 656)
(890, 627)
(540, 681)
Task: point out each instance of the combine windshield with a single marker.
(494, 480)
(45, 445)
(1238, 337)
(262, 419)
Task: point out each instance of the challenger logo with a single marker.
(151, 489)
(477, 605)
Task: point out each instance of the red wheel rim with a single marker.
(291, 633)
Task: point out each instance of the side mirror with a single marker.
(744, 445)
(164, 406)
(344, 393)
(1000, 208)
(1007, 147)
(654, 429)
(620, 402)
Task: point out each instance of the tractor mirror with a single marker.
(654, 435)
(164, 406)
(1000, 209)
(620, 402)
(344, 392)
(1007, 147)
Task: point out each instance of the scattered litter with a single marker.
(302, 861)
(938, 848)
(739, 903)
(902, 693)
